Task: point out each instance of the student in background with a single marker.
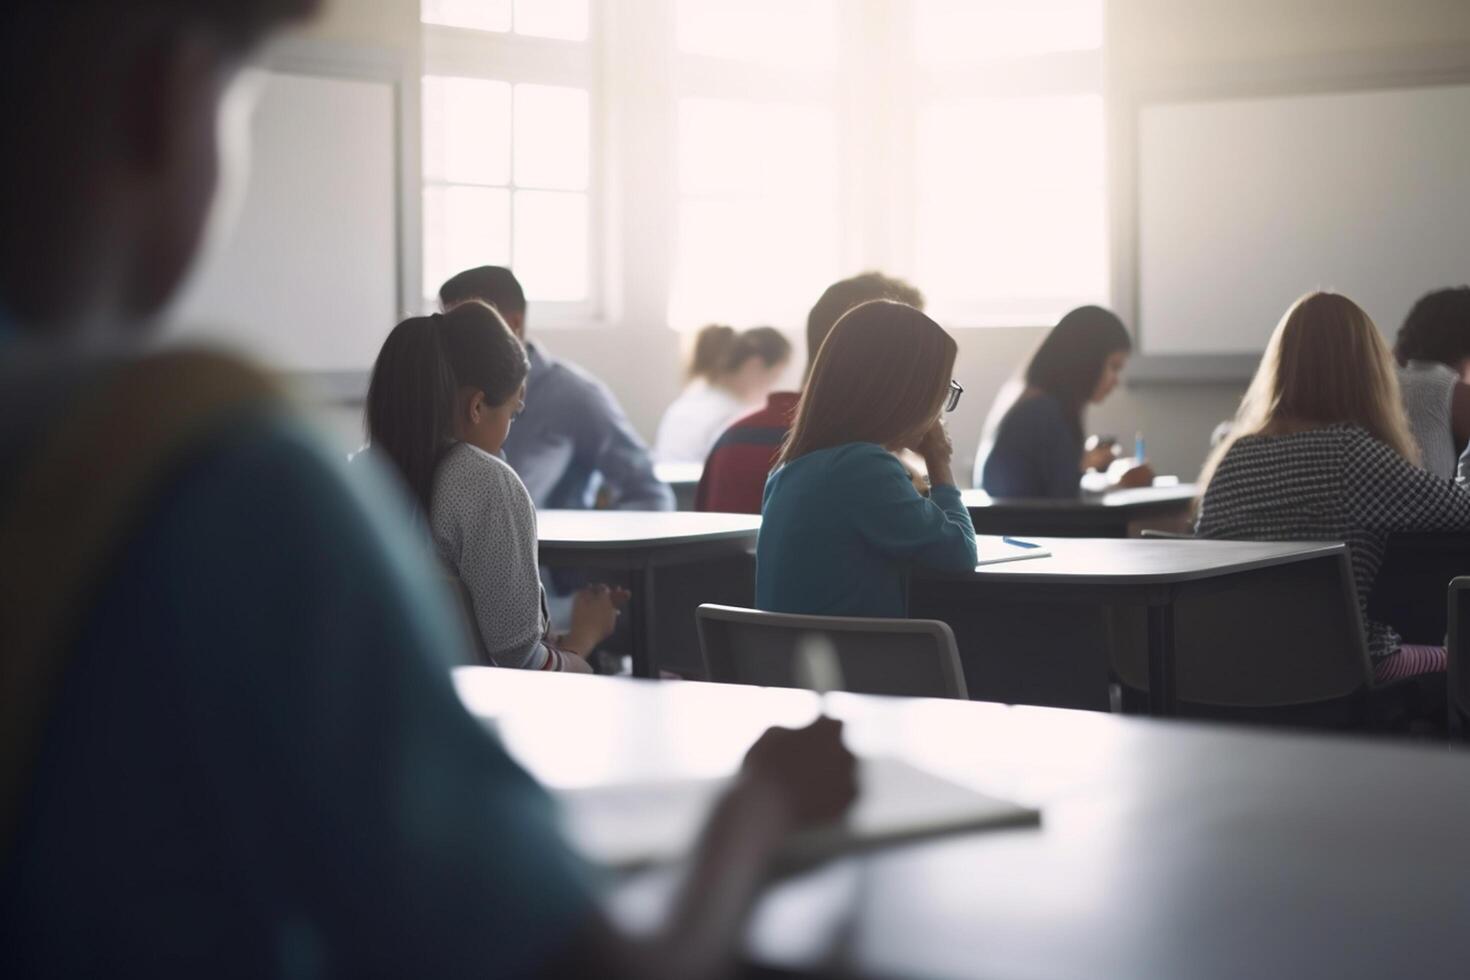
(234, 749)
(1036, 449)
(573, 446)
(842, 523)
(444, 392)
(729, 372)
(734, 478)
(1433, 352)
(1320, 454)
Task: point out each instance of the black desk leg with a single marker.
(640, 624)
(1161, 660)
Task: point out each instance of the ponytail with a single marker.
(712, 347)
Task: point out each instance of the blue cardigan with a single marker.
(1036, 452)
(841, 527)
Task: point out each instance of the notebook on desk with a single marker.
(638, 825)
(994, 549)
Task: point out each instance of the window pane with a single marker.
(790, 33)
(463, 227)
(564, 19)
(478, 15)
(759, 206)
(466, 128)
(551, 141)
(551, 240)
(1012, 215)
(950, 32)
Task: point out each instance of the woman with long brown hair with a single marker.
(842, 523)
(1321, 451)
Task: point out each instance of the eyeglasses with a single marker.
(955, 391)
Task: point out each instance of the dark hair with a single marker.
(493, 284)
(1437, 329)
(883, 372)
(1070, 360)
(843, 296)
(721, 350)
(416, 380)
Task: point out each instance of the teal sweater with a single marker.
(841, 527)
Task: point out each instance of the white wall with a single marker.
(1148, 40)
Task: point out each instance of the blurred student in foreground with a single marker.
(734, 478)
(731, 371)
(1034, 439)
(573, 446)
(229, 743)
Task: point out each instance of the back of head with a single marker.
(844, 295)
(1070, 360)
(110, 176)
(1325, 364)
(416, 381)
(712, 347)
(1437, 329)
(491, 284)
(882, 374)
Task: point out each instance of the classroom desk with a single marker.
(683, 479)
(639, 544)
(1126, 574)
(1116, 514)
(1166, 850)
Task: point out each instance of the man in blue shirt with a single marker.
(572, 445)
(229, 743)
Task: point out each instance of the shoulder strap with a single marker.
(71, 508)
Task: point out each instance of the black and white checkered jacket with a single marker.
(1336, 483)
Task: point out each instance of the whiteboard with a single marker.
(307, 277)
(1245, 204)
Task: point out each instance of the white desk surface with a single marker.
(676, 474)
(1132, 497)
(615, 529)
(1166, 849)
(1143, 561)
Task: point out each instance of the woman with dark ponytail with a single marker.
(730, 372)
(444, 392)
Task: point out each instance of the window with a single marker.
(508, 155)
(758, 233)
(1010, 206)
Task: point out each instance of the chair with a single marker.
(909, 657)
(1458, 646)
(1281, 645)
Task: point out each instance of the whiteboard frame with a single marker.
(399, 70)
(1319, 75)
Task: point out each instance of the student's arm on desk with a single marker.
(613, 448)
(891, 516)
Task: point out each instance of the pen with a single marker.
(1019, 543)
(1139, 454)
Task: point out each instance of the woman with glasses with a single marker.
(842, 523)
(1034, 440)
(444, 392)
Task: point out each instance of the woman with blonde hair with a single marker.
(730, 372)
(1321, 451)
(842, 522)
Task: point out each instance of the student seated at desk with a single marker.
(1433, 351)
(730, 372)
(734, 478)
(444, 392)
(1321, 451)
(842, 522)
(1033, 446)
(231, 744)
(574, 448)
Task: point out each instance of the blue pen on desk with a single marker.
(1017, 542)
(1139, 452)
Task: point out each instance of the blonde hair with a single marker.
(1326, 363)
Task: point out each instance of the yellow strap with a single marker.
(72, 509)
